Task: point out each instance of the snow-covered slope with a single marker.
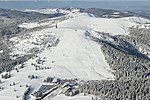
(65, 52)
(114, 26)
(74, 55)
(118, 26)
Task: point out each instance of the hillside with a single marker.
(88, 53)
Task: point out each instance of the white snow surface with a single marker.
(113, 26)
(11, 92)
(1, 51)
(76, 57)
(78, 97)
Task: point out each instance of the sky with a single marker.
(74, 0)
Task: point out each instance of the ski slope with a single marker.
(113, 26)
(76, 57)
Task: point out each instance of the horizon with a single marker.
(38, 4)
(79, 0)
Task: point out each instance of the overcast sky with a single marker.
(74, 0)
